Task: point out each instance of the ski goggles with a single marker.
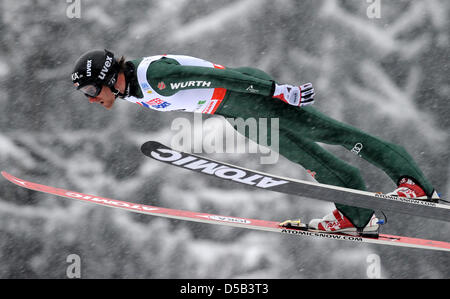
(91, 90)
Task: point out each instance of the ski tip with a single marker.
(150, 146)
(9, 177)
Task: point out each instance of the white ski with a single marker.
(248, 177)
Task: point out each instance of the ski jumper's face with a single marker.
(105, 98)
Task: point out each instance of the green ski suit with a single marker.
(299, 128)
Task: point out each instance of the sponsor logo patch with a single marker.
(186, 84)
(161, 85)
(357, 148)
(155, 103)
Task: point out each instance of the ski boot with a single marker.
(409, 189)
(336, 222)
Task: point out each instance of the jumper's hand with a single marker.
(295, 95)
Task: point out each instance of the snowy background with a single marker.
(388, 76)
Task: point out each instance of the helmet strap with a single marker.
(111, 83)
(117, 93)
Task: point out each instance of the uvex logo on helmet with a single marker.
(88, 67)
(106, 66)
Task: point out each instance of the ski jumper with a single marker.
(171, 82)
